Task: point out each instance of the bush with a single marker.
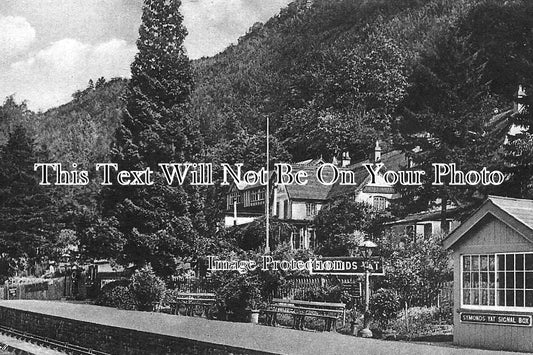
(445, 313)
(116, 294)
(238, 294)
(384, 306)
(417, 322)
(146, 288)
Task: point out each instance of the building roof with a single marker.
(393, 160)
(245, 186)
(433, 215)
(313, 190)
(520, 209)
(516, 213)
(500, 124)
(311, 162)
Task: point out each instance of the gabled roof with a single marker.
(244, 186)
(313, 190)
(360, 176)
(311, 162)
(393, 160)
(516, 213)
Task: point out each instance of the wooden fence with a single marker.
(193, 285)
(44, 289)
(302, 287)
(312, 286)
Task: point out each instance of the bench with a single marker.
(299, 310)
(192, 302)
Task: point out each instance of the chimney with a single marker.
(377, 152)
(521, 94)
(346, 159)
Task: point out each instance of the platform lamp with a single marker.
(367, 248)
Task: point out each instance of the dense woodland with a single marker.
(329, 75)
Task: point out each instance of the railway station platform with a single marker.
(117, 331)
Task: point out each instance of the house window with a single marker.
(257, 195)
(379, 203)
(504, 280)
(303, 239)
(286, 214)
(234, 196)
(295, 240)
(310, 209)
(478, 280)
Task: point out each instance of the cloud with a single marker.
(53, 74)
(214, 24)
(16, 35)
(77, 40)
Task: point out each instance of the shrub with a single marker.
(116, 294)
(417, 322)
(146, 288)
(238, 294)
(384, 306)
(445, 313)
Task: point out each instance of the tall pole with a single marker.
(235, 211)
(367, 290)
(267, 194)
(366, 332)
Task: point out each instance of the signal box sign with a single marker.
(347, 266)
(502, 319)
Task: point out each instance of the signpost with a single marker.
(347, 265)
(364, 265)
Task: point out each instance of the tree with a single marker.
(12, 115)
(341, 225)
(252, 236)
(443, 121)
(155, 126)
(101, 239)
(29, 217)
(505, 50)
(146, 288)
(162, 224)
(416, 270)
(356, 91)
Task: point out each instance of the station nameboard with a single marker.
(346, 265)
(518, 320)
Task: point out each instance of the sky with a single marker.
(51, 48)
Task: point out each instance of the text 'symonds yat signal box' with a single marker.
(493, 276)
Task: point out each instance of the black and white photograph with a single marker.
(266, 177)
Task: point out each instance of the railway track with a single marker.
(67, 348)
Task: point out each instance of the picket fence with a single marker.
(304, 287)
